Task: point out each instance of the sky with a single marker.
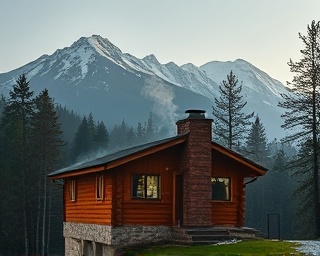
(263, 32)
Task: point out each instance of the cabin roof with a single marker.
(117, 158)
(121, 157)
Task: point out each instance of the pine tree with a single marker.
(101, 138)
(230, 122)
(83, 141)
(2, 105)
(140, 133)
(256, 146)
(150, 131)
(16, 130)
(46, 150)
(302, 116)
(91, 134)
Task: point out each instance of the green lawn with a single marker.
(244, 248)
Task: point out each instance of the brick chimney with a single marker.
(196, 168)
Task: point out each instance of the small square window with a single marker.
(99, 187)
(221, 189)
(145, 186)
(72, 190)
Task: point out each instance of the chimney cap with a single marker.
(196, 113)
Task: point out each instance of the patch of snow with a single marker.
(268, 103)
(310, 248)
(233, 241)
(35, 71)
(103, 50)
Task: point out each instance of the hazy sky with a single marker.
(263, 32)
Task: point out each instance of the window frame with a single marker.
(145, 187)
(73, 190)
(100, 187)
(228, 189)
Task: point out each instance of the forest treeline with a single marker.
(37, 137)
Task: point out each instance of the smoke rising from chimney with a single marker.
(162, 96)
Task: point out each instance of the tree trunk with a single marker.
(49, 220)
(38, 217)
(44, 212)
(25, 219)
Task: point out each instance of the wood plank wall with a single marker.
(86, 208)
(229, 213)
(131, 211)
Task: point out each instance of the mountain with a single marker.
(93, 75)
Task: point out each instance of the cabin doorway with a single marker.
(179, 200)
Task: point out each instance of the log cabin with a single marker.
(150, 192)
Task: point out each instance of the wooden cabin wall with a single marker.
(131, 211)
(229, 213)
(86, 208)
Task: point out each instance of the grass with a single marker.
(244, 248)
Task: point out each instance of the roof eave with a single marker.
(119, 161)
(258, 169)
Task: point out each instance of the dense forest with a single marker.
(38, 136)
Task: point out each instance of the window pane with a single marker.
(221, 189)
(152, 186)
(138, 188)
(99, 187)
(72, 191)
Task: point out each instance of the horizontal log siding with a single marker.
(229, 213)
(147, 211)
(86, 208)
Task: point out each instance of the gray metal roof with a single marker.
(114, 156)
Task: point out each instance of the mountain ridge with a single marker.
(94, 75)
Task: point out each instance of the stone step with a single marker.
(211, 238)
(208, 232)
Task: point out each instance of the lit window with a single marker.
(221, 189)
(145, 186)
(99, 187)
(72, 190)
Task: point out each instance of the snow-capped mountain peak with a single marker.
(94, 63)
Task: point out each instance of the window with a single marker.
(99, 187)
(72, 190)
(221, 189)
(145, 186)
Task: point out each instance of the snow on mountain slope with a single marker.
(93, 74)
(252, 77)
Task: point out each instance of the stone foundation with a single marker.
(97, 240)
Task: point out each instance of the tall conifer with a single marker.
(16, 125)
(46, 150)
(302, 116)
(230, 123)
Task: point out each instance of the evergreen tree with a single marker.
(230, 122)
(150, 130)
(118, 137)
(302, 117)
(140, 133)
(16, 131)
(256, 146)
(70, 122)
(101, 138)
(91, 134)
(46, 150)
(2, 105)
(83, 141)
